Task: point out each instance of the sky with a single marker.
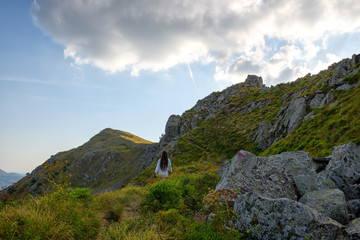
(70, 68)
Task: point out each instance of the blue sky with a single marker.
(70, 68)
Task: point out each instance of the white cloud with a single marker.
(117, 35)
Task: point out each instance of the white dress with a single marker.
(165, 172)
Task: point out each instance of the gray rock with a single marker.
(355, 59)
(354, 207)
(315, 102)
(306, 183)
(308, 116)
(344, 87)
(340, 72)
(263, 128)
(254, 81)
(328, 202)
(353, 229)
(323, 182)
(282, 219)
(294, 114)
(344, 169)
(172, 130)
(290, 116)
(327, 99)
(270, 176)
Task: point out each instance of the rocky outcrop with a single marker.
(290, 116)
(172, 130)
(254, 81)
(288, 196)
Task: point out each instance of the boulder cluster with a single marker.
(294, 196)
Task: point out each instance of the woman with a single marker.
(163, 165)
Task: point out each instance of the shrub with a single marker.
(162, 195)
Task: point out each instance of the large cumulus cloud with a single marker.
(273, 38)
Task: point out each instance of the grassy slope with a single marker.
(109, 151)
(123, 147)
(173, 209)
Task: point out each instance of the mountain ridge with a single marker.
(249, 115)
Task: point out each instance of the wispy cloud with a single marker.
(191, 75)
(118, 35)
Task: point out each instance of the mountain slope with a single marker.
(108, 160)
(313, 114)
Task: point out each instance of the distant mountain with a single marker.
(6, 179)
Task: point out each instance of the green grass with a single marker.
(174, 208)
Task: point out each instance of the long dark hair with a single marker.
(164, 161)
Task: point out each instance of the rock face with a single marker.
(282, 219)
(254, 81)
(288, 196)
(329, 202)
(344, 169)
(172, 130)
(269, 176)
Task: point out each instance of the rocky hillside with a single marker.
(6, 179)
(312, 114)
(107, 161)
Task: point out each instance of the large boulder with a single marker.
(270, 176)
(344, 169)
(330, 202)
(282, 219)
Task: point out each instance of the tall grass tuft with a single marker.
(64, 214)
